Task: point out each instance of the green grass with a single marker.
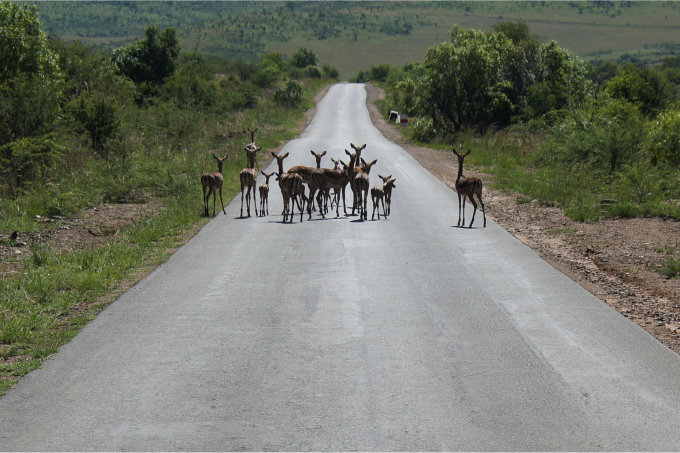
(671, 268)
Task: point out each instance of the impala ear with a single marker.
(284, 156)
(323, 153)
(467, 153)
(274, 154)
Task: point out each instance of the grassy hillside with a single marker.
(352, 36)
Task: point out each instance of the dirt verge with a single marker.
(614, 259)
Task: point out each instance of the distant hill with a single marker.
(353, 36)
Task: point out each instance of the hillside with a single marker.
(352, 36)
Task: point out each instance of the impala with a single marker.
(264, 193)
(292, 190)
(248, 178)
(212, 182)
(470, 188)
(388, 191)
(362, 184)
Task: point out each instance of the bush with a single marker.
(603, 136)
(663, 139)
(422, 129)
(290, 96)
(303, 57)
(379, 72)
(27, 160)
(266, 76)
(329, 72)
(313, 72)
(99, 118)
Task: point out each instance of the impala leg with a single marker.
(319, 202)
(205, 202)
(222, 202)
(366, 205)
(242, 201)
(483, 210)
(373, 213)
(255, 200)
(474, 204)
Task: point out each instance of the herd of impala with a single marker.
(321, 181)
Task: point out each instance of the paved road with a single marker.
(404, 334)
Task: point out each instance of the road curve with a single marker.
(336, 334)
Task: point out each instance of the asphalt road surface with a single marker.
(336, 334)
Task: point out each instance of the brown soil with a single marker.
(614, 259)
(92, 228)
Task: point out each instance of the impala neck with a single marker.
(460, 171)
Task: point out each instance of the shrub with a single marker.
(304, 57)
(99, 118)
(313, 72)
(663, 139)
(266, 76)
(27, 160)
(290, 96)
(329, 72)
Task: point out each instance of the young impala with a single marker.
(264, 193)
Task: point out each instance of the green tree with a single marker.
(663, 138)
(461, 87)
(518, 32)
(564, 76)
(644, 87)
(23, 44)
(99, 117)
(149, 62)
(29, 75)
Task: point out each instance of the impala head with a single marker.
(267, 176)
(252, 135)
(352, 159)
(358, 150)
(368, 165)
(336, 163)
(460, 157)
(251, 153)
(390, 183)
(220, 161)
(279, 161)
(318, 157)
